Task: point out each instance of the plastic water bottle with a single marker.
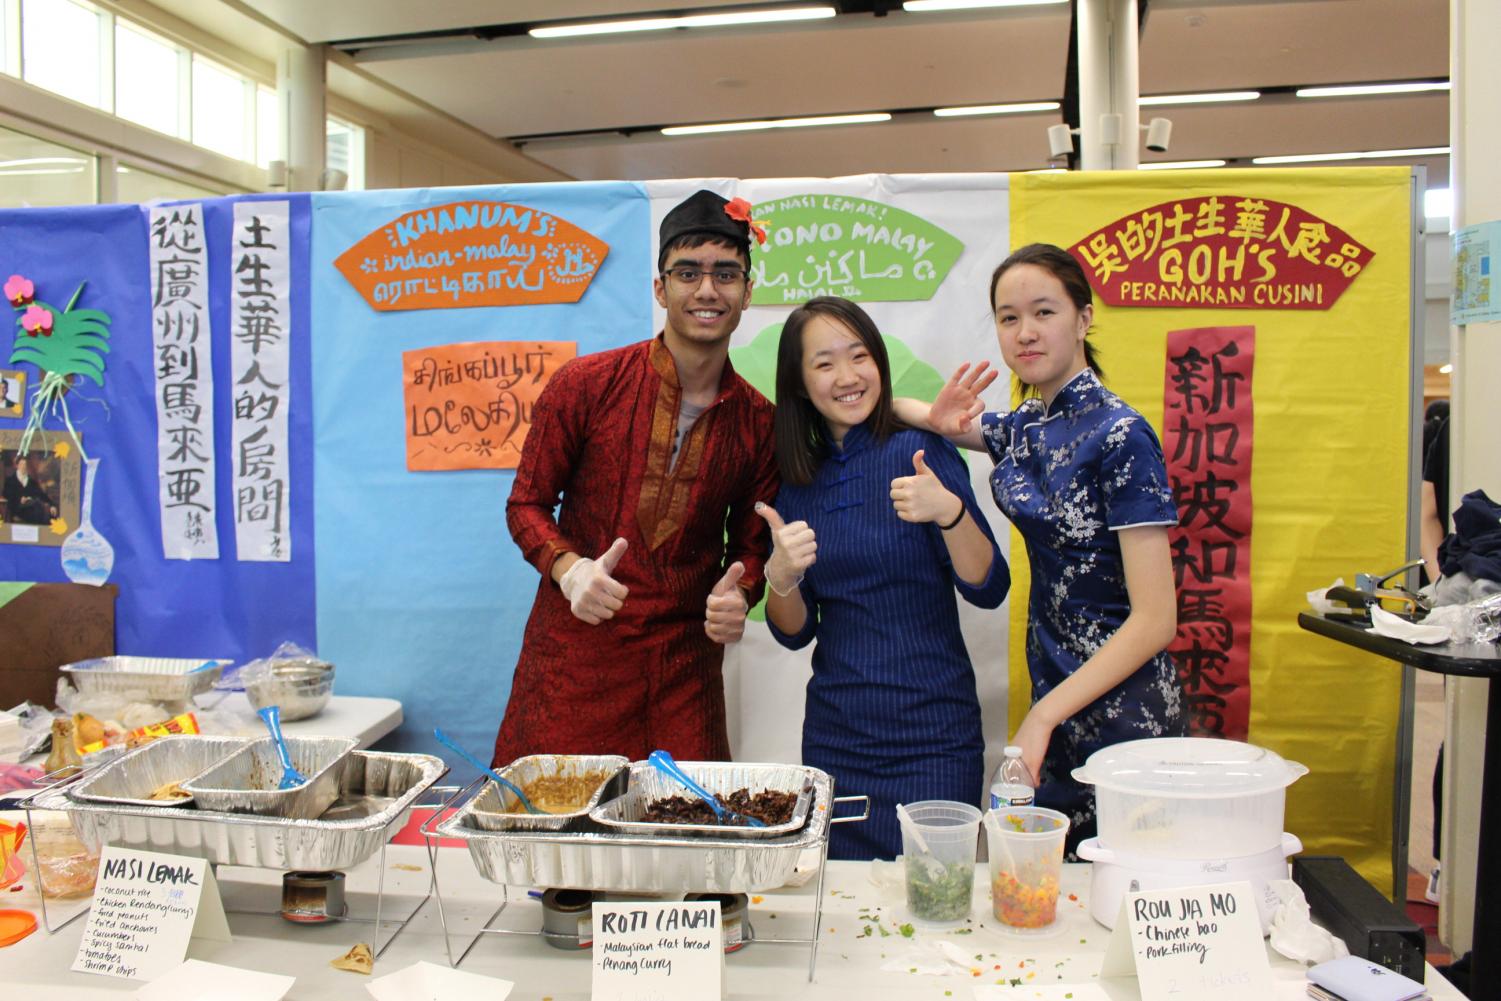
(1011, 784)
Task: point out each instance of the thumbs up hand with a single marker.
(724, 615)
(923, 497)
(593, 594)
(794, 550)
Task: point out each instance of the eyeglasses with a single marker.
(688, 279)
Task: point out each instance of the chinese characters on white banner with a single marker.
(184, 382)
(260, 367)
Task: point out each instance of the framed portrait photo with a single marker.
(39, 495)
(12, 393)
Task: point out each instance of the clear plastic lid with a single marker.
(1189, 767)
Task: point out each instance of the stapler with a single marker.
(1372, 589)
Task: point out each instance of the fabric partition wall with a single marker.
(1311, 270)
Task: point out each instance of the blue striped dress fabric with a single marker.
(891, 709)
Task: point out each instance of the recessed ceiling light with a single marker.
(996, 109)
(1447, 368)
(1222, 97)
(1358, 90)
(921, 6)
(1377, 154)
(686, 21)
(1180, 164)
(775, 123)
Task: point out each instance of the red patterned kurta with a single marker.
(601, 437)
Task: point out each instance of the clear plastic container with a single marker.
(1189, 797)
(1011, 783)
(1026, 859)
(941, 871)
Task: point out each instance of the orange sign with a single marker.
(469, 405)
(1233, 251)
(473, 254)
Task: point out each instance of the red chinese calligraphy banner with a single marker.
(1207, 438)
(469, 406)
(473, 254)
(1228, 251)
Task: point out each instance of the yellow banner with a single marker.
(1329, 468)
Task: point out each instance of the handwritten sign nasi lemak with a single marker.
(146, 908)
(1230, 251)
(469, 406)
(1193, 942)
(851, 247)
(658, 951)
(473, 254)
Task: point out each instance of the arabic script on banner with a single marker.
(183, 362)
(1207, 424)
(1231, 251)
(260, 363)
(852, 247)
(469, 406)
(473, 254)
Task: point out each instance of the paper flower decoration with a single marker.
(59, 526)
(62, 450)
(37, 320)
(19, 291)
(740, 210)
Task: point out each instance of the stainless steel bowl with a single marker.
(301, 687)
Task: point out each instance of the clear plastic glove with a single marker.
(724, 612)
(923, 497)
(794, 550)
(592, 593)
(958, 403)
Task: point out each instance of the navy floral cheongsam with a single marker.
(1068, 477)
(892, 711)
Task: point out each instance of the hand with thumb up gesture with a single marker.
(592, 592)
(794, 549)
(724, 613)
(923, 497)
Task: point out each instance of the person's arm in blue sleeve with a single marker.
(972, 536)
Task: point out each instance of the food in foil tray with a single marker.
(169, 791)
(769, 806)
(561, 793)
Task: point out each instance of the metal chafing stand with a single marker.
(594, 857)
(383, 787)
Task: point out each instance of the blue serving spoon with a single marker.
(291, 778)
(444, 739)
(663, 762)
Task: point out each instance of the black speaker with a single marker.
(1371, 926)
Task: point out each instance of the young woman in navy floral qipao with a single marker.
(1081, 476)
(874, 529)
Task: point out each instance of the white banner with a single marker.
(260, 367)
(184, 382)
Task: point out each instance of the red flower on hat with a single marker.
(740, 210)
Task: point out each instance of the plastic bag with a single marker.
(1293, 932)
(248, 674)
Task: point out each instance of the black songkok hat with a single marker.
(703, 214)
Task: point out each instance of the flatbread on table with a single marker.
(356, 960)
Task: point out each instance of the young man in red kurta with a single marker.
(659, 452)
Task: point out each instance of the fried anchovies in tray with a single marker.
(768, 806)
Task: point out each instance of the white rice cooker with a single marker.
(1187, 811)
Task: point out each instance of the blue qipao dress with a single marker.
(1068, 477)
(891, 709)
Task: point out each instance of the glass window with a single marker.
(34, 172)
(61, 50)
(220, 119)
(147, 80)
(267, 127)
(345, 151)
(132, 184)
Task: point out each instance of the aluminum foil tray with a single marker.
(497, 809)
(633, 863)
(649, 784)
(245, 782)
(133, 777)
(393, 781)
(163, 679)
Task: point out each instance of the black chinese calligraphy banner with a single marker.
(1206, 438)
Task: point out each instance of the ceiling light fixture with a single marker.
(923, 6)
(1180, 164)
(1222, 97)
(1360, 90)
(687, 21)
(1446, 369)
(775, 123)
(996, 109)
(1377, 154)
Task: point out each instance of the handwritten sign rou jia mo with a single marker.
(658, 951)
(1223, 251)
(469, 406)
(473, 254)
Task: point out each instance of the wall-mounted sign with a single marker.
(851, 247)
(1223, 251)
(473, 254)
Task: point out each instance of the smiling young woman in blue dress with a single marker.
(874, 530)
(1080, 474)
